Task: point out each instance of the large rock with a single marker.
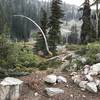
(92, 87)
(10, 89)
(53, 91)
(96, 67)
(9, 81)
(61, 79)
(51, 79)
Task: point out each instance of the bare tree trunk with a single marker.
(97, 20)
(46, 43)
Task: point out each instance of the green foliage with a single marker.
(49, 64)
(14, 56)
(7, 53)
(54, 24)
(90, 52)
(26, 58)
(73, 47)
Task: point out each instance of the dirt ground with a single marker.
(34, 83)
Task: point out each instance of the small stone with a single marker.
(82, 89)
(97, 82)
(36, 94)
(67, 86)
(71, 95)
(73, 74)
(61, 79)
(83, 96)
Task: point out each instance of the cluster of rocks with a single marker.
(88, 78)
(53, 79)
(10, 89)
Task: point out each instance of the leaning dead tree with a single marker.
(45, 39)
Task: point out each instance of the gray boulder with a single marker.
(53, 91)
(92, 87)
(10, 89)
(96, 68)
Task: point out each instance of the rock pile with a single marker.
(88, 78)
(53, 79)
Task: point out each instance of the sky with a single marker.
(75, 2)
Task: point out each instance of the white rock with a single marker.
(89, 78)
(36, 94)
(11, 81)
(53, 91)
(82, 84)
(76, 79)
(73, 74)
(86, 69)
(82, 89)
(10, 89)
(97, 82)
(96, 67)
(91, 86)
(51, 79)
(71, 95)
(61, 79)
(93, 73)
(83, 96)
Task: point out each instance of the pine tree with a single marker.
(87, 32)
(40, 45)
(73, 37)
(54, 24)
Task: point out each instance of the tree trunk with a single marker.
(97, 19)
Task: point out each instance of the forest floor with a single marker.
(35, 83)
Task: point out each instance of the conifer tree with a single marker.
(54, 25)
(87, 32)
(40, 45)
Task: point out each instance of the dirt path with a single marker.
(34, 83)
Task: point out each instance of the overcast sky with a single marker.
(73, 2)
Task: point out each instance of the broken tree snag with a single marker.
(10, 89)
